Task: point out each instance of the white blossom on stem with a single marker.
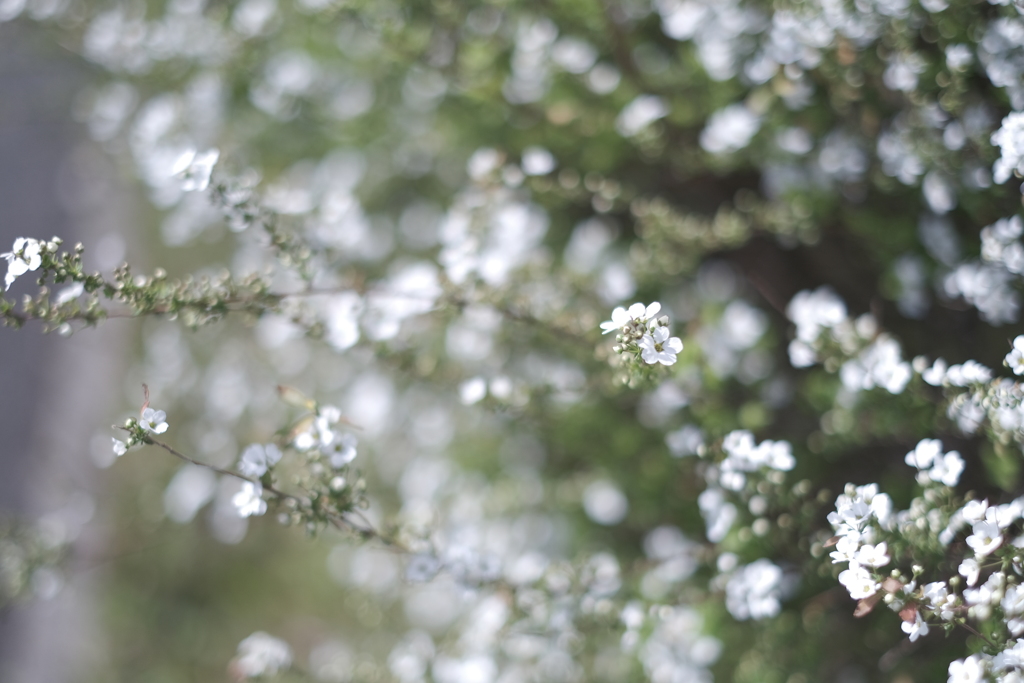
(916, 628)
(23, 257)
(658, 347)
(1015, 359)
(970, 670)
(154, 421)
(257, 459)
(249, 501)
(859, 582)
(622, 317)
(194, 169)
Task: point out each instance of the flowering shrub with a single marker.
(414, 217)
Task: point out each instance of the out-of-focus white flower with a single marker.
(924, 453)
(69, 293)
(878, 365)
(975, 510)
(814, 311)
(968, 373)
(718, 513)
(23, 257)
(947, 469)
(969, 569)
(754, 591)
(927, 456)
(320, 433)
(537, 161)
(730, 129)
(687, 440)
(640, 113)
(1010, 140)
(257, 458)
(658, 347)
(120, 447)
(154, 421)
(936, 374)
(194, 169)
(262, 655)
(1015, 359)
(249, 501)
(342, 450)
(605, 503)
(472, 391)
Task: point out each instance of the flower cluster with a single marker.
(864, 516)
(642, 336)
(150, 421)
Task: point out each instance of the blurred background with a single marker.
(553, 163)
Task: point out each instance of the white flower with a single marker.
(23, 257)
(1013, 601)
(622, 317)
(640, 113)
(873, 555)
(941, 602)
(936, 374)
(916, 628)
(320, 433)
(249, 501)
(975, 510)
(1010, 139)
(1015, 359)
(969, 569)
(120, 447)
(257, 458)
(154, 421)
(69, 293)
(814, 311)
(194, 169)
(986, 537)
(262, 655)
(947, 469)
(968, 373)
(729, 129)
(846, 548)
(859, 582)
(924, 453)
(657, 347)
(754, 591)
(342, 450)
(970, 670)
(777, 455)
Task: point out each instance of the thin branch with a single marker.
(338, 520)
(977, 633)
